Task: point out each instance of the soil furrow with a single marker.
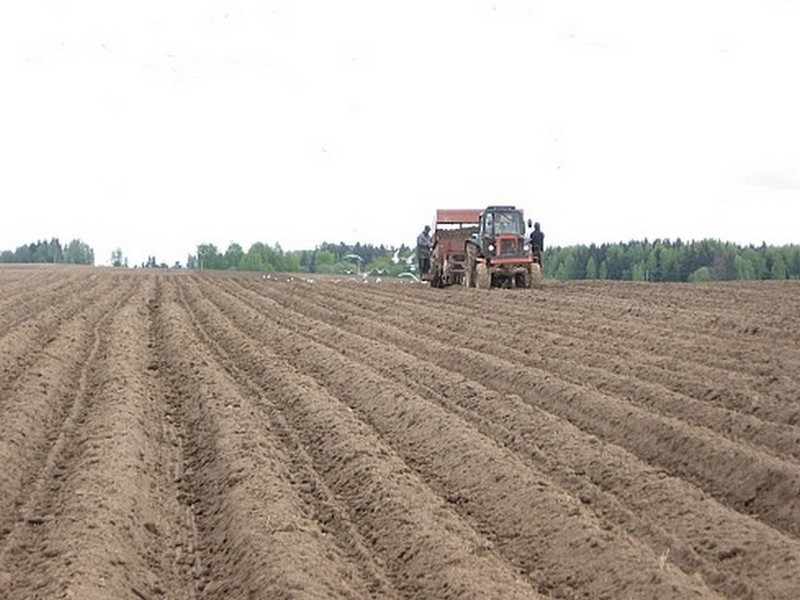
(40, 321)
(742, 477)
(22, 299)
(666, 512)
(640, 320)
(426, 549)
(255, 529)
(753, 378)
(622, 377)
(54, 508)
(182, 435)
(483, 481)
(40, 409)
(103, 518)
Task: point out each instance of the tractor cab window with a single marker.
(488, 224)
(508, 222)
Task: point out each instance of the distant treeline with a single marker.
(76, 252)
(326, 258)
(659, 260)
(663, 260)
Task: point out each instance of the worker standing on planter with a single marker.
(424, 250)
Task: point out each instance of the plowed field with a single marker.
(181, 435)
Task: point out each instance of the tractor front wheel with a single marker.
(483, 278)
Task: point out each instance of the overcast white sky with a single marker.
(157, 125)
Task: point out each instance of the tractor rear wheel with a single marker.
(469, 267)
(436, 278)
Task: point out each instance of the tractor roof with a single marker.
(499, 208)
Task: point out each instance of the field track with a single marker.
(173, 435)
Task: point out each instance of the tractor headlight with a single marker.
(527, 247)
(491, 248)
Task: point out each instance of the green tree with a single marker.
(274, 257)
(636, 257)
(23, 254)
(46, 252)
(291, 262)
(383, 265)
(78, 253)
(616, 262)
(723, 262)
(639, 272)
(792, 261)
(324, 261)
(233, 256)
(757, 259)
(701, 274)
(567, 268)
(742, 268)
(117, 259)
(591, 268)
(257, 258)
(652, 268)
(778, 264)
(208, 257)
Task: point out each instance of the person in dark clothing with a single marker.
(424, 250)
(537, 238)
(537, 241)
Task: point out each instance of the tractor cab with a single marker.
(502, 220)
(501, 233)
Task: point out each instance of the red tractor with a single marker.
(483, 248)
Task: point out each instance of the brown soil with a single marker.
(201, 436)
